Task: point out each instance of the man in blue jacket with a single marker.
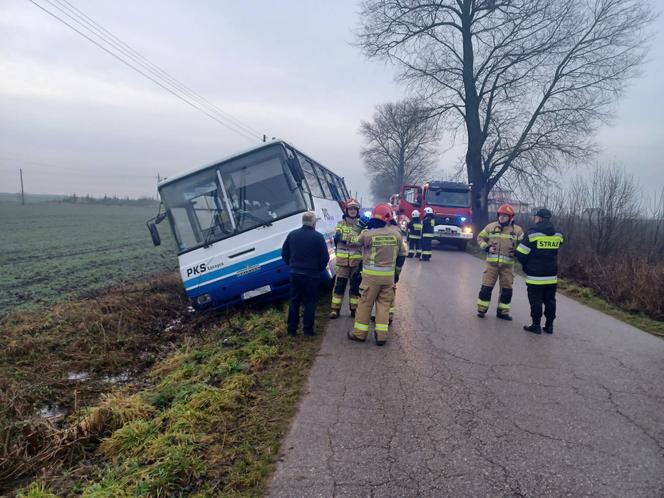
(306, 253)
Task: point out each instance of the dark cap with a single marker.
(543, 213)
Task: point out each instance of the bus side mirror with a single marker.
(154, 233)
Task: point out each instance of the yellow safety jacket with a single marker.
(347, 255)
(380, 248)
(503, 240)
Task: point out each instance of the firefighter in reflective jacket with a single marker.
(415, 235)
(428, 224)
(538, 254)
(393, 225)
(383, 252)
(348, 260)
(499, 239)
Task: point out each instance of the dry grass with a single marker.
(64, 358)
(206, 419)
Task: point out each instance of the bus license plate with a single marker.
(256, 292)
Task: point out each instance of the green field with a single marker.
(51, 251)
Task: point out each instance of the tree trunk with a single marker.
(401, 171)
(473, 126)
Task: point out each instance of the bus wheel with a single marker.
(461, 244)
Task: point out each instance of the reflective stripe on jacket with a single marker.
(415, 229)
(380, 248)
(538, 253)
(347, 255)
(503, 239)
(428, 224)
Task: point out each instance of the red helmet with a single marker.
(352, 203)
(382, 212)
(506, 209)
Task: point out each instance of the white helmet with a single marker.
(428, 210)
(416, 213)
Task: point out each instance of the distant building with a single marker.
(500, 196)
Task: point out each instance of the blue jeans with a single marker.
(303, 290)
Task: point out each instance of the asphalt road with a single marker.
(455, 405)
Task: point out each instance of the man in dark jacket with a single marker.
(306, 253)
(538, 254)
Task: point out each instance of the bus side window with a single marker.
(335, 192)
(344, 189)
(310, 176)
(324, 183)
(340, 187)
(329, 177)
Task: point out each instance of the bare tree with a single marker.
(400, 146)
(529, 81)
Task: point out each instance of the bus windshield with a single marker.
(448, 198)
(235, 196)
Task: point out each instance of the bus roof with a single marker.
(191, 171)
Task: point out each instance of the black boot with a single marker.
(548, 327)
(504, 316)
(481, 314)
(378, 343)
(535, 329)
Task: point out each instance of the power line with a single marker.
(230, 126)
(86, 21)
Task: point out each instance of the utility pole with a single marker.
(22, 193)
(158, 181)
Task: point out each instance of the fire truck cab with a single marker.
(450, 202)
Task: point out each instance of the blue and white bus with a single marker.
(230, 219)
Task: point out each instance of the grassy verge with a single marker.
(586, 296)
(205, 419)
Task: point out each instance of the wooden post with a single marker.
(22, 193)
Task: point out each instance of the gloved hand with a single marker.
(512, 252)
(491, 249)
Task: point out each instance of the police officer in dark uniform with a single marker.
(538, 254)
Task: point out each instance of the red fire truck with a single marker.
(450, 202)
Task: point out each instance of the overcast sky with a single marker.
(78, 120)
